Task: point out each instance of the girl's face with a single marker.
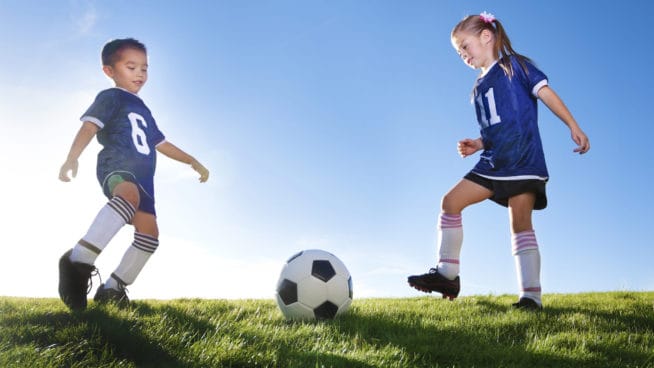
(130, 72)
(476, 51)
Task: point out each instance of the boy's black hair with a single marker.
(112, 48)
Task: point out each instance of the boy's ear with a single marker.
(108, 70)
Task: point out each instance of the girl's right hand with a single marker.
(469, 146)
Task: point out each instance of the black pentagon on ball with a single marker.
(287, 291)
(349, 287)
(322, 270)
(294, 256)
(326, 310)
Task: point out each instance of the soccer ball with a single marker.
(314, 284)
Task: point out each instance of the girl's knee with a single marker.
(447, 204)
(452, 204)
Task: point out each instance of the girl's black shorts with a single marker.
(505, 189)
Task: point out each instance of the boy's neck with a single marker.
(123, 89)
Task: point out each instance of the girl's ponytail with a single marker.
(503, 51)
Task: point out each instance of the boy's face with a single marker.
(130, 71)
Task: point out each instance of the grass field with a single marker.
(575, 330)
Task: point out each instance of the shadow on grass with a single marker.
(103, 336)
(85, 337)
(127, 340)
(432, 345)
(633, 321)
(250, 340)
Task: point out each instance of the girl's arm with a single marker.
(556, 105)
(177, 154)
(82, 139)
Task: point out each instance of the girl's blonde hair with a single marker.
(502, 50)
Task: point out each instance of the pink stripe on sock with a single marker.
(525, 245)
(524, 240)
(532, 289)
(448, 221)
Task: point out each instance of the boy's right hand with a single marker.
(65, 168)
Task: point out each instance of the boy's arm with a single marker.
(177, 154)
(82, 139)
(556, 105)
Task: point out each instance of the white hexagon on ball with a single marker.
(314, 284)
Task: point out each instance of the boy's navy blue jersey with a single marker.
(128, 134)
(508, 118)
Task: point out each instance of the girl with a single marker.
(511, 170)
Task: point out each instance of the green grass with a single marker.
(576, 330)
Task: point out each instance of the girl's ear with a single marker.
(486, 36)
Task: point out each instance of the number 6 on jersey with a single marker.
(138, 134)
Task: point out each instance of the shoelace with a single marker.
(94, 272)
(123, 289)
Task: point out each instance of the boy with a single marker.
(125, 169)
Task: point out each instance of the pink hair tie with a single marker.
(487, 17)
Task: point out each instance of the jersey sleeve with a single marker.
(533, 79)
(155, 135)
(158, 137)
(102, 110)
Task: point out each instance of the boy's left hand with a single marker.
(204, 173)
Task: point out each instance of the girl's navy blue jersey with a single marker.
(128, 134)
(508, 119)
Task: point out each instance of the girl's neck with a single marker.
(486, 69)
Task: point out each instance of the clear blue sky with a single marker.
(325, 124)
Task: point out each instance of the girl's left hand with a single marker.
(579, 137)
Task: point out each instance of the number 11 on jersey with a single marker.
(492, 109)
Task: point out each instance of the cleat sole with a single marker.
(429, 291)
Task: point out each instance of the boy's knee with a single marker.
(127, 191)
(146, 223)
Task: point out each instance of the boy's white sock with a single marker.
(111, 218)
(450, 239)
(527, 263)
(133, 260)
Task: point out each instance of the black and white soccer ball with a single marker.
(314, 284)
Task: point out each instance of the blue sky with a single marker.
(325, 124)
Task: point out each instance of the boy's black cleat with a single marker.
(74, 282)
(434, 281)
(110, 295)
(527, 304)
